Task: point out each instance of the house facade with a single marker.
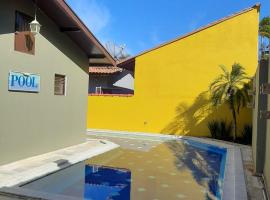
(44, 78)
(110, 80)
(261, 123)
(172, 80)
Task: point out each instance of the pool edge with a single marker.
(233, 173)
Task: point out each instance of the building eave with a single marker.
(69, 23)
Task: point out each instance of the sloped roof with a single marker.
(128, 60)
(104, 70)
(68, 22)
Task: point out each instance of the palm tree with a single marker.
(264, 32)
(231, 88)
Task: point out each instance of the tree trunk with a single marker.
(234, 117)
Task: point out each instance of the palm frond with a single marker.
(226, 73)
(228, 84)
(264, 27)
(218, 81)
(237, 70)
(219, 95)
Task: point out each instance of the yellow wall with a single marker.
(170, 81)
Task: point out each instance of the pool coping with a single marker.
(15, 174)
(233, 175)
(234, 169)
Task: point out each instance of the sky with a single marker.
(144, 24)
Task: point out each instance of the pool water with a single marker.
(143, 169)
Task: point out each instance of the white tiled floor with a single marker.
(16, 172)
(24, 170)
(234, 181)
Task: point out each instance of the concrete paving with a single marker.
(255, 185)
(239, 182)
(22, 171)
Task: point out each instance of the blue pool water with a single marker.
(104, 182)
(142, 169)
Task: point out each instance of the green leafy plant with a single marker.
(213, 127)
(220, 129)
(231, 87)
(225, 130)
(264, 27)
(264, 32)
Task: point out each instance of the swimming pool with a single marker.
(142, 169)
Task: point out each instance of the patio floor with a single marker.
(20, 172)
(14, 173)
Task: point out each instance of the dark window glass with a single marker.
(59, 84)
(22, 22)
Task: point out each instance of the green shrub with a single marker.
(220, 130)
(225, 130)
(213, 127)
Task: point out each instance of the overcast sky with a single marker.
(143, 24)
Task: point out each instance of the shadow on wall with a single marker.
(189, 118)
(193, 120)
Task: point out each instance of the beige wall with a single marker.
(267, 152)
(255, 117)
(267, 160)
(32, 123)
(261, 126)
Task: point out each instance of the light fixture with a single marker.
(35, 25)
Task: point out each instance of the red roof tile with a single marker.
(104, 70)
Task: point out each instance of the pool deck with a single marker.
(239, 181)
(22, 171)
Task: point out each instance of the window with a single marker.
(24, 39)
(98, 90)
(110, 80)
(59, 84)
(22, 22)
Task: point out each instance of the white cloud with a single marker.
(93, 13)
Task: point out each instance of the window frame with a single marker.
(65, 84)
(24, 40)
(28, 17)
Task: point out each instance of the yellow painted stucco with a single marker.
(170, 81)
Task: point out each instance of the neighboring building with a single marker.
(44, 78)
(261, 122)
(171, 78)
(107, 80)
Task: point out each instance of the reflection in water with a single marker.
(103, 183)
(86, 182)
(205, 164)
(164, 170)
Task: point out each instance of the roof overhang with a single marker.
(69, 23)
(128, 64)
(104, 70)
